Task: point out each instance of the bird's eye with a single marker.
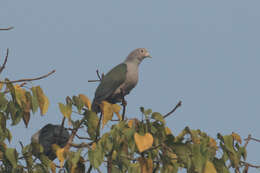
(142, 51)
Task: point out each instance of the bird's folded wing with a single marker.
(111, 81)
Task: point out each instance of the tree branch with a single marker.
(29, 79)
(5, 61)
(173, 110)
(250, 165)
(6, 29)
(99, 77)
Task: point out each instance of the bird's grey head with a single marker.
(138, 55)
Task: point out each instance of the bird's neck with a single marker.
(132, 61)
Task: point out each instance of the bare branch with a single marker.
(173, 110)
(250, 165)
(247, 140)
(82, 137)
(81, 145)
(5, 61)
(6, 29)
(93, 80)
(29, 79)
(99, 77)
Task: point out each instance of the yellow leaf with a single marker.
(143, 142)
(146, 165)
(20, 94)
(209, 168)
(85, 100)
(130, 123)
(107, 112)
(236, 137)
(53, 167)
(60, 156)
(93, 146)
(66, 111)
(1, 85)
(213, 143)
(168, 131)
(116, 108)
(42, 100)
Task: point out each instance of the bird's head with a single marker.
(138, 55)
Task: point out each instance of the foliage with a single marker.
(133, 145)
(144, 145)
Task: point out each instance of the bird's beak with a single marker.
(148, 55)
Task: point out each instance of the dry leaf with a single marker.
(209, 168)
(236, 137)
(143, 142)
(107, 112)
(85, 100)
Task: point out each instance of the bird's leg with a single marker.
(124, 103)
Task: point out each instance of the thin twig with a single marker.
(254, 139)
(82, 137)
(173, 110)
(250, 165)
(5, 61)
(81, 145)
(73, 133)
(99, 77)
(6, 29)
(247, 140)
(29, 79)
(124, 103)
(93, 80)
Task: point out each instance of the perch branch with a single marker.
(173, 110)
(6, 29)
(5, 61)
(99, 77)
(30, 79)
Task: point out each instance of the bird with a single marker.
(120, 80)
(51, 134)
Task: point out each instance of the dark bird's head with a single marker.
(138, 55)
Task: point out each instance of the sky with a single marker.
(205, 53)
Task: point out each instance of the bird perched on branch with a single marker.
(119, 81)
(49, 135)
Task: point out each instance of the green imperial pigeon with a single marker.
(119, 81)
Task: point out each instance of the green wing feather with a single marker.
(110, 82)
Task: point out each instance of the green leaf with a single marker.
(35, 103)
(147, 112)
(2, 121)
(16, 118)
(3, 102)
(157, 116)
(96, 156)
(75, 158)
(12, 155)
(92, 123)
(78, 103)
(66, 110)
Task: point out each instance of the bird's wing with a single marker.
(110, 82)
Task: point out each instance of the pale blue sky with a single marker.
(205, 53)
